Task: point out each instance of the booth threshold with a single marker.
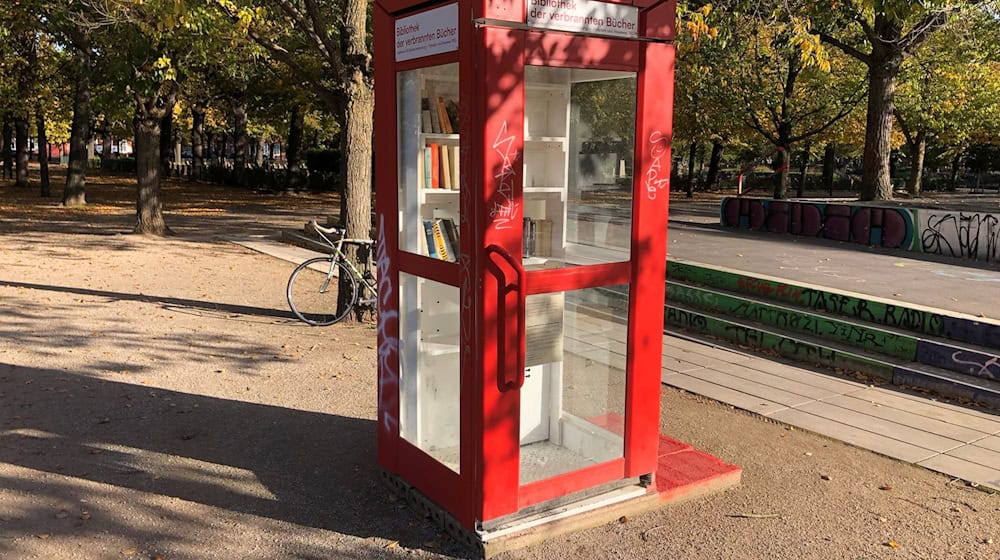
(682, 473)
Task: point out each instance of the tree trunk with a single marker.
(209, 147)
(240, 143)
(6, 145)
(714, 162)
(149, 209)
(692, 156)
(43, 152)
(356, 171)
(293, 154)
(915, 181)
(150, 115)
(178, 148)
(197, 140)
(956, 165)
(91, 149)
(781, 173)
(803, 170)
(75, 191)
(260, 152)
(166, 139)
(21, 156)
(105, 141)
(876, 181)
(829, 162)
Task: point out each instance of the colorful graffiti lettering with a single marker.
(884, 227)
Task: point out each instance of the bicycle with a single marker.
(324, 290)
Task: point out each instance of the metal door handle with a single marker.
(510, 305)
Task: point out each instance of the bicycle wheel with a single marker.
(321, 291)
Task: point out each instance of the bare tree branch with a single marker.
(755, 124)
(310, 31)
(849, 50)
(922, 31)
(281, 54)
(319, 26)
(843, 113)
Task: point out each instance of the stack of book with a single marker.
(442, 239)
(536, 238)
(438, 169)
(439, 115)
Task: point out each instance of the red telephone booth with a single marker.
(523, 157)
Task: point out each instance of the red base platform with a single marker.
(682, 471)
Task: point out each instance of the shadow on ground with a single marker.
(307, 468)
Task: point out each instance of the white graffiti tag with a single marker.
(658, 148)
(388, 344)
(504, 207)
(986, 367)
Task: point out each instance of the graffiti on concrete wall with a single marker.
(884, 227)
(964, 360)
(971, 235)
(917, 320)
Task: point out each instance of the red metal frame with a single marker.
(491, 98)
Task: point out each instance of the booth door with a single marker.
(564, 285)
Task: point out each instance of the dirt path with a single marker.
(157, 400)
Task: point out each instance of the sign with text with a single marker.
(584, 16)
(431, 32)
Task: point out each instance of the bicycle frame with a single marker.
(339, 256)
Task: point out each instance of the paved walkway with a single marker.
(960, 442)
(968, 287)
(957, 441)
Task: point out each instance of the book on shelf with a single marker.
(442, 113)
(425, 121)
(446, 167)
(455, 175)
(432, 120)
(442, 239)
(435, 167)
(429, 234)
(426, 171)
(536, 238)
(451, 233)
(451, 108)
(444, 252)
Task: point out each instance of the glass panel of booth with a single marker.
(573, 398)
(429, 380)
(429, 184)
(579, 138)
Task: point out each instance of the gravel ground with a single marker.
(157, 400)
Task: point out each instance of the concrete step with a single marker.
(297, 237)
(842, 358)
(918, 320)
(893, 343)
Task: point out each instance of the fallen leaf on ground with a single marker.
(43, 536)
(393, 544)
(129, 551)
(892, 544)
(885, 487)
(825, 476)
